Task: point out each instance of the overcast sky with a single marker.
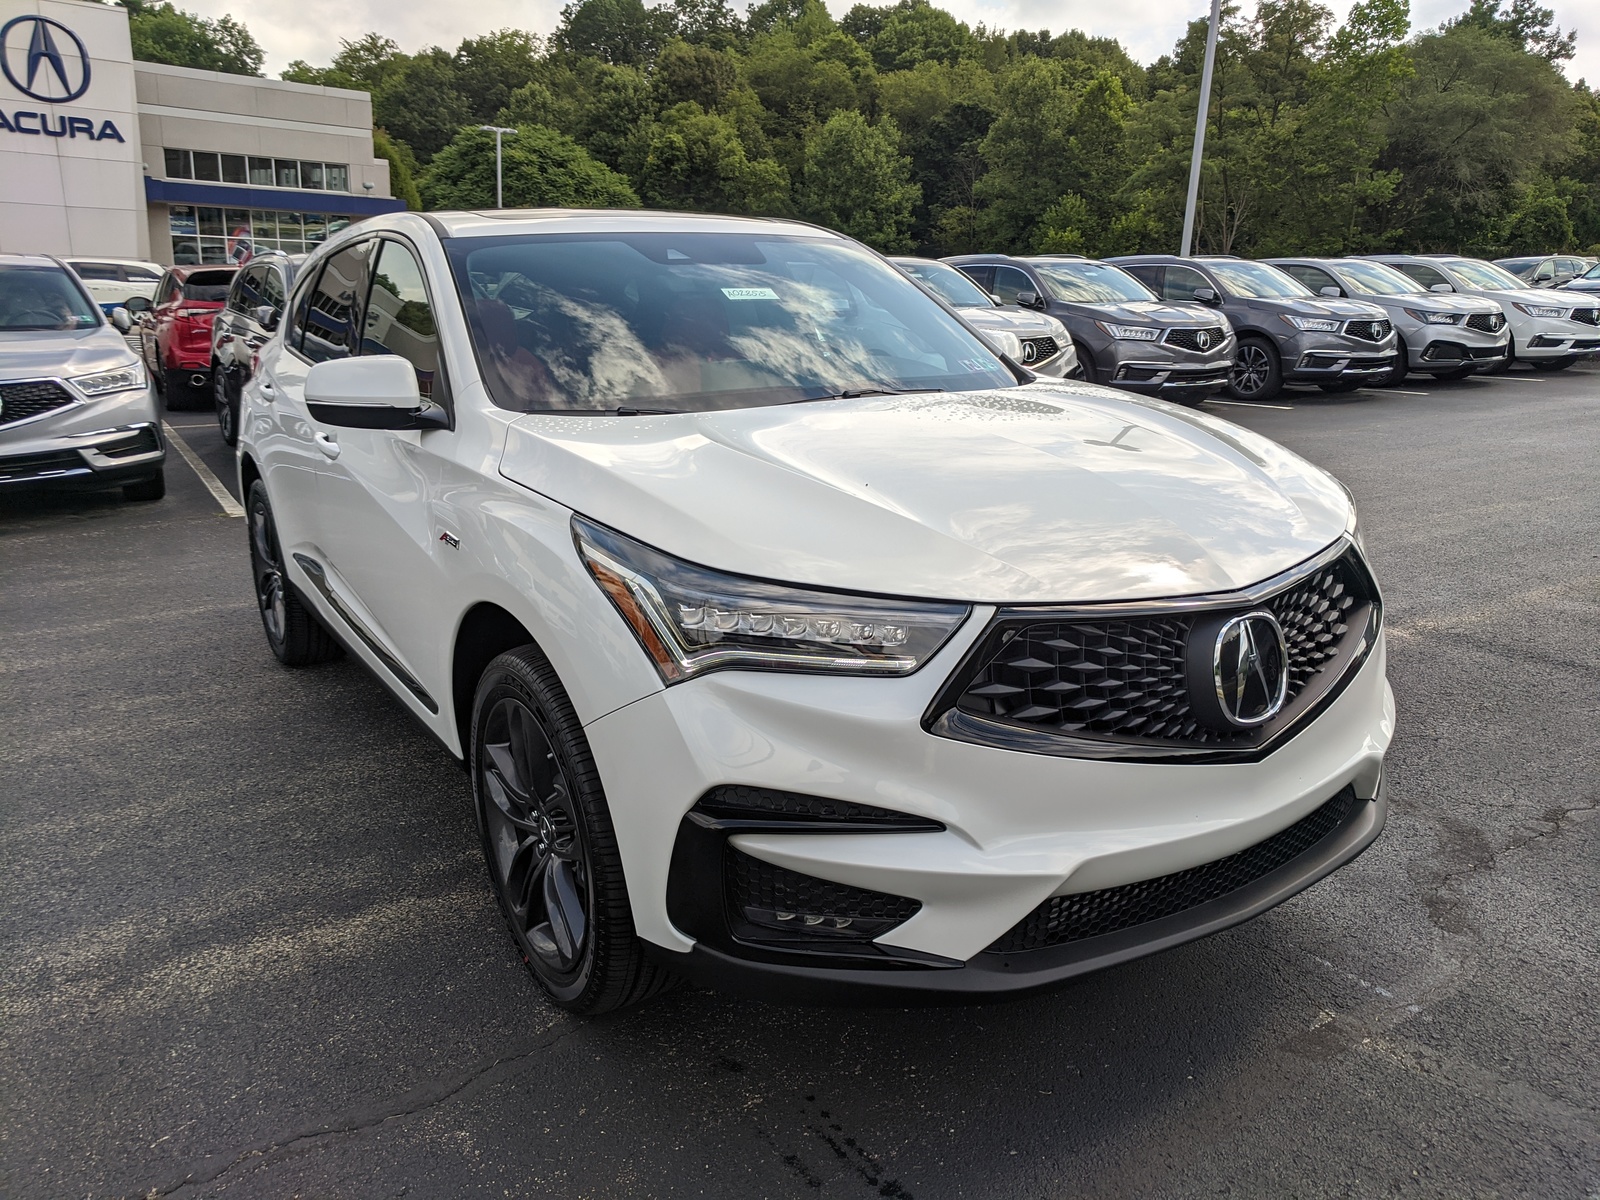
(287, 29)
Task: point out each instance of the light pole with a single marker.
(1200, 128)
(499, 131)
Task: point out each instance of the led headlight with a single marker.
(1313, 324)
(1542, 310)
(1131, 333)
(123, 379)
(1434, 318)
(691, 619)
(1005, 342)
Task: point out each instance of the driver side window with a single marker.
(1181, 284)
(400, 318)
(1010, 282)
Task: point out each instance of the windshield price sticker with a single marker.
(750, 293)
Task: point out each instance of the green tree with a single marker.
(614, 31)
(402, 169)
(542, 169)
(419, 103)
(857, 181)
(365, 64)
(690, 159)
(162, 33)
(489, 68)
(914, 32)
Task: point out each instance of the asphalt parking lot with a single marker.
(250, 949)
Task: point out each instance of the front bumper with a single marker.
(1443, 348)
(1018, 828)
(88, 461)
(1546, 340)
(1324, 358)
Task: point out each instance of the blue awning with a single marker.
(229, 195)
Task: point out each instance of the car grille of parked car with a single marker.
(1073, 918)
(1589, 316)
(1368, 331)
(769, 903)
(1201, 341)
(19, 401)
(1486, 322)
(1039, 349)
(1118, 686)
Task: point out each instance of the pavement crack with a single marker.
(418, 1099)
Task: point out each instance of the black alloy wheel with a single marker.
(226, 399)
(1257, 374)
(548, 841)
(296, 637)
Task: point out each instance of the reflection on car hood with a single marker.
(1052, 492)
(1155, 312)
(1016, 320)
(36, 354)
(1446, 302)
(1323, 306)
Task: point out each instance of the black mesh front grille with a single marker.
(1589, 316)
(1063, 919)
(1125, 678)
(778, 907)
(1198, 340)
(1486, 322)
(738, 801)
(19, 401)
(27, 466)
(1370, 331)
(1039, 349)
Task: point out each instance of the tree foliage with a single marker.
(907, 127)
(541, 169)
(162, 33)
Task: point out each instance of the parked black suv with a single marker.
(1286, 333)
(1124, 336)
(254, 308)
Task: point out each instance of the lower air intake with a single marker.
(769, 903)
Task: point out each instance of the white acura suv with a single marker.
(794, 641)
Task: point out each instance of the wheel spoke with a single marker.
(564, 906)
(503, 766)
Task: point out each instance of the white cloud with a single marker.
(1147, 28)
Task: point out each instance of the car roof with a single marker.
(117, 262)
(28, 260)
(499, 222)
(981, 258)
(189, 269)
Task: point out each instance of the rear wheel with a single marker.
(548, 841)
(1257, 371)
(226, 399)
(296, 636)
(146, 489)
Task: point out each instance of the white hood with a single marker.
(1054, 492)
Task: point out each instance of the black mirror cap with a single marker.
(378, 416)
(1207, 295)
(136, 305)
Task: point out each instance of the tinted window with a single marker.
(1091, 283)
(89, 270)
(691, 321)
(330, 319)
(1010, 282)
(1147, 274)
(400, 318)
(246, 294)
(43, 298)
(1313, 277)
(1181, 283)
(1424, 274)
(208, 285)
(272, 289)
(140, 274)
(980, 274)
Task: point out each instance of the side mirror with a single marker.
(1329, 290)
(1441, 287)
(376, 391)
(1028, 299)
(121, 320)
(1207, 295)
(267, 317)
(137, 305)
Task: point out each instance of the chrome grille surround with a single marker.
(24, 399)
(1486, 322)
(1368, 330)
(1189, 339)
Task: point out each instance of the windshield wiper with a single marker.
(858, 393)
(625, 411)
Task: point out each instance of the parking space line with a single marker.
(1403, 392)
(230, 506)
(1520, 379)
(1252, 404)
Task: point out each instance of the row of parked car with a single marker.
(1187, 328)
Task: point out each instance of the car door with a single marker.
(1544, 275)
(380, 526)
(231, 324)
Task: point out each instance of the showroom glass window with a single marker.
(400, 317)
(201, 234)
(331, 320)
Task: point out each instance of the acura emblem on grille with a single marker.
(1203, 339)
(1250, 667)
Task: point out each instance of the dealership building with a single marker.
(104, 156)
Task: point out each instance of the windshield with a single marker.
(1090, 282)
(1255, 281)
(690, 322)
(1475, 273)
(949, 284)
(208, 285)
(1592, 273)
(1519, 266)
(1375, 279)
(33, 298)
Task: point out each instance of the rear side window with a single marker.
(88, 270)
(140, 275)
(399, 316)
(208, 285)
(332, 316)
(980, 275)
(1312, 277)
(246, 293)
(272, 290)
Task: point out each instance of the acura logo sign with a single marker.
(43, 59)
(1238, 670)
(1203, 339)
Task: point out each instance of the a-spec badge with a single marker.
(450, 539)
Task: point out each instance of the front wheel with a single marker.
(1396, 375)
(1503, 363)
(146, 489)
(296, 636)
(226, 400)
(548, 841)
(1257, 371)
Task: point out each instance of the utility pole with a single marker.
(1200, 128)
(500, 130)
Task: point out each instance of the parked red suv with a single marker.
(175, 332)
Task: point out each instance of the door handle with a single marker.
(267, 389)
(326, 444)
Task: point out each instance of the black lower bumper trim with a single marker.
(989, 976)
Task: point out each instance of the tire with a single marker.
(226, 399)
(1402, 366)
(296, 636)
(1504, 364)
(176, 389)
(1086, 364)
(548, 841)
(1557, 364)
(146, 489)
(1257, 371)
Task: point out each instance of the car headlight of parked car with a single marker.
(123, 379)
(1313, 324)
(1006, 342)
(1434, 318)
(1131, 333)
(691, 619)
(1542, 310)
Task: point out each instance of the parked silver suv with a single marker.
(1442, 334)
(1043, 344)
(75, 406)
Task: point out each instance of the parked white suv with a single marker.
(792, 640)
